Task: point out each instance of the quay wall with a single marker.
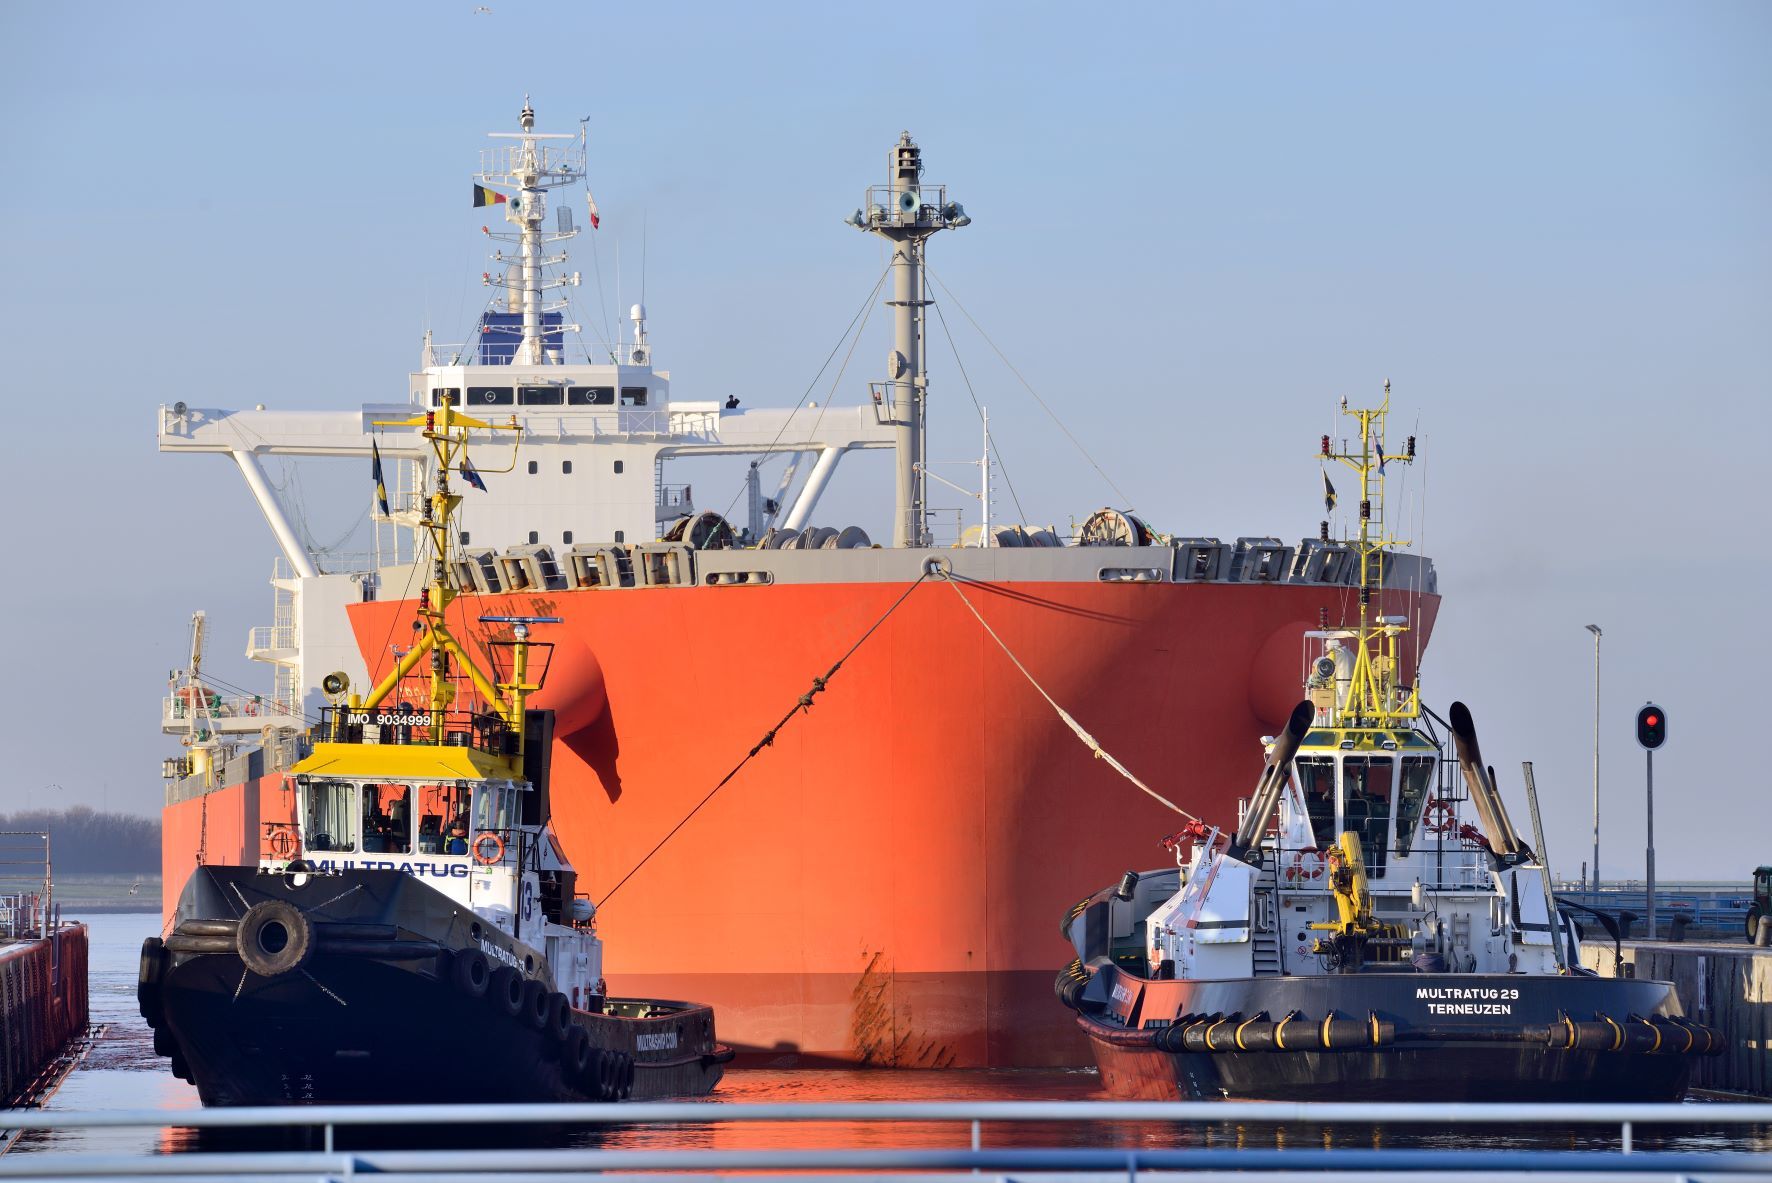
(1727, 986)
(43, 1004)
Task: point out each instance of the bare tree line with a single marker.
(86, 841)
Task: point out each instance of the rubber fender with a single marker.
(209, 928)
(181, 1068)
(1193, 1036)
(275, 938)
(149, 981)
(1064, 925)
(1640, 1036)
(1706, 1041)
(164, 1043)
(471, 973)
(506, 990)
(593, 1081)
(1341, 1034)
(1600, 1034)
(180, 943)
(575, 1057)
(559, 1018)
(1676, 1039)
(1255, 1034)
(1296, 1033)
(1221, 1035)
(624, 1076)
(536, 997)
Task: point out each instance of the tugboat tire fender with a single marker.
(559, 1023)
(471, 973)
(506, 990)
(576, 1057)
(149, 980)
(274, 938)
(536, 1004)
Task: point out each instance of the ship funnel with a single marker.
(1504, 841)
(1273, 780)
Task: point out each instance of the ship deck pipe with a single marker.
(815, 486)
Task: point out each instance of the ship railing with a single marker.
(679, 497)
(1019, 1139)
(193, 702)
(265, 638)
(417, 727)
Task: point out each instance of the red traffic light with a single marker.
(1651, 726)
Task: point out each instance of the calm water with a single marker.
(122, 1072)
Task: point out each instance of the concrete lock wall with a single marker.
(1724, 986)
(43, 1004)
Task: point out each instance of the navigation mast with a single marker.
(906, 212)
(532, 168)
(1373, 696)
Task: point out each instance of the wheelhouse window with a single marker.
(442, 396)
(1366, 783)
(331, 822)
(1316, 778)
(491, 396)
(494, 807)
(387, 819)
(443, 819)
(541, 396)
(633, 396)
(590, 396)
(1417, 779)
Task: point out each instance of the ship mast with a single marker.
(532, 168)
(906, 212)
(1373, 696)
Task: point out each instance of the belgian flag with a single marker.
(484, 196)
(381, 488)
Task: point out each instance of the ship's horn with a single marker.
(1496, 827)
(1273, 779)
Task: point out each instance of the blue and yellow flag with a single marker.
(381, 488)
(1328, 493)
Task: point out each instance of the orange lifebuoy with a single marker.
(1300, 868)
(281, 843)
(1438, 817)
(498, 848)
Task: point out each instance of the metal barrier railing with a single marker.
(1461, 1154)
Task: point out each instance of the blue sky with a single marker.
(1196, 227)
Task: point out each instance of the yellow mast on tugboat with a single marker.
(431, 739)
(1372, 698)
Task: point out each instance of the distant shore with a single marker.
(107, 893)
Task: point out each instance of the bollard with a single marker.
(1763, 934)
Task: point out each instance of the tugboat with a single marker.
(1354, 937)
(414, 935)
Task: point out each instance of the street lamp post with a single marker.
(1595, 630)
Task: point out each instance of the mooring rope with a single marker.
(803, 704)
(1076, 727)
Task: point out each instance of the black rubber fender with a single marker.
(275, 938)
(150, 981)
(506, 990)
(559, 1024)
(471, 972)
(535, 1004)
(576, 1057)
(624, 1081)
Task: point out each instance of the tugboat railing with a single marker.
(1462, 1155)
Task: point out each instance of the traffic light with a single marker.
(1651, 726)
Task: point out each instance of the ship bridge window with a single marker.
(541, 396)
(387, 819)
(494, 808)
(443, 819)
(1316, 777)
(1418, 776)
(446, 396)
(491, 396)
(590, 396)
(633, 396)
(1366, 784)
(331, 816)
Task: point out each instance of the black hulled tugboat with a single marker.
(414, 933)
(1355, 938)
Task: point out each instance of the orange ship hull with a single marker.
(884, 883)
